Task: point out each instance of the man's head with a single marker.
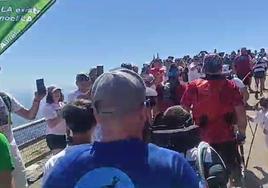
(171, 58)
(127, 66)
(118, 101)
(212, 64)
(80, 119)
(262, 52)
(264, 103)
(233, 54)
(145, 69)
(157, 63)
(222, 54)
(93, 74)
(244, 51)
(83, 82)
(173, 72)
(135, 69)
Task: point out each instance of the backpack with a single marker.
(169, 93)
(8, 104)
(213, 102)
(214, 173)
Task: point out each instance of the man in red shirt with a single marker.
(171, 92)
(217, 105)
(243, 67)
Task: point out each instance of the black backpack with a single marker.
(169, 92)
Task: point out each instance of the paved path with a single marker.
(258, 162)
(257, 173)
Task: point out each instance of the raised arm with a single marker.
(31, 113)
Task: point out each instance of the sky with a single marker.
(75, 35)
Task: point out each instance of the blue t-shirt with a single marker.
(122, 164)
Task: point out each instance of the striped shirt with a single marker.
(260, 66)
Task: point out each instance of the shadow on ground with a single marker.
(252, 181)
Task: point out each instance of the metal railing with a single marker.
(30, 138)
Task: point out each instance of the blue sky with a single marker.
(75, 35)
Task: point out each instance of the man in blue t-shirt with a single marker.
(121, 159)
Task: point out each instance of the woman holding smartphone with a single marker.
(56, 127)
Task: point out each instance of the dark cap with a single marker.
(82, 77)
(212, 64)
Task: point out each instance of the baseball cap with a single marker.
(82, 77)
(52, 89)
(118, 93)
(212, 64)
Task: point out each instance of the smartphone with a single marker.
(40, 85)
(99, 70)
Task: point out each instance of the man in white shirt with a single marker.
(194, 72)
(238, 82)
(8, 105)
(83, 83)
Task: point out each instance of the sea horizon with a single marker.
(25, 97)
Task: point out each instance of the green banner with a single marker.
(16, 16)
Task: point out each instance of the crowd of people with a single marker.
(112, 131)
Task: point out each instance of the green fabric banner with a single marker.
(16, 16)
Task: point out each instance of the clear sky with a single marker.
(75, 35)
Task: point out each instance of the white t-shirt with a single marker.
(54, 159)
(52, 111)
(194, 74)
(74, 96)
(239, 83)
(262, 119)
(19, 172)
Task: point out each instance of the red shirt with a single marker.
(214, 99)
(243, 65)
(165, 104)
